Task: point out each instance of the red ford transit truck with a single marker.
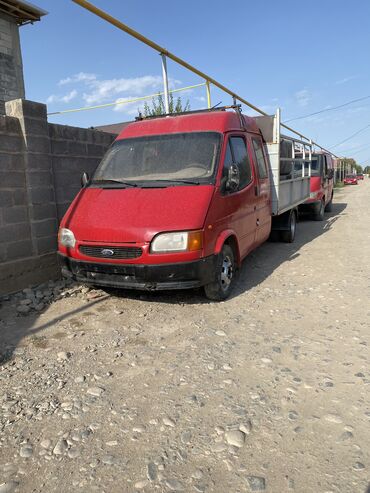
(321, 186)
(179, 201)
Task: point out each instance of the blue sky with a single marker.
(302, 57)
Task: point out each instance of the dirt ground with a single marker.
(268, 391)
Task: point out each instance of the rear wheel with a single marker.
(221, 288)
(319, 215)
(289, 235)
(329, 205)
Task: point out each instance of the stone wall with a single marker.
(40, 169)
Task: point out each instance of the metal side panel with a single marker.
(292, 193)
(274, 158)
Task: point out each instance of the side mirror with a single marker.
(233, 179)
(330, 173)
(84, 179)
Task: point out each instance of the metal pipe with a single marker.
(208, 89)
(165, 84)
(115, 22)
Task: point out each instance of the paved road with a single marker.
(268, 391)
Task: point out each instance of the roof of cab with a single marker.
(212, 121)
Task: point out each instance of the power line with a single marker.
(350, 137)
(356, 149)
(327, 109)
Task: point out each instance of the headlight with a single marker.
(177, 242)
(66, 238)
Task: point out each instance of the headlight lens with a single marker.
(177, 242)
(66, 238)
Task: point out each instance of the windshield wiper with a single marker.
(120, 182)
(187, 182)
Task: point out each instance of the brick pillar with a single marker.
(38, 173)
(28, 216)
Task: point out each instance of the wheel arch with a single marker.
(228, 237)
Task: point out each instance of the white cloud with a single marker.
(106, 90)
(54, 98)
(346, 79)
(80, 77)
(303, 97)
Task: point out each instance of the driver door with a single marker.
(236, 209)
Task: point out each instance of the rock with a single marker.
(45, 444)
(199, 487)
(358, 466)
(26, 451)
(80, 379)
(235, 438)
(346, 435)
(220, 333)
(256, 483)
(151, 471)
(73, 453)
(197, 474)
(109, 460)
(23, 309)
(60, 447)
(139, 485)
(63, 356)
(8, 487)
(218, 447)
(95, 391)
(174, 485)
(169, 422)
(246, 427)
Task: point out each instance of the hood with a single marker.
(136, 214)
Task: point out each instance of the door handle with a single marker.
(257, 190)
(258, 222)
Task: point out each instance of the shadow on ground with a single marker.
(258, 266)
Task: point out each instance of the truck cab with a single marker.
(321, 186)
(177, 202)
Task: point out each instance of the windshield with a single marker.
(184, 157)
(351, 176)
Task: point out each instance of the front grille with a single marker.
(106, 252)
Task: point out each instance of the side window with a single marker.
(227, 163)
(241, 159)
(260, 158)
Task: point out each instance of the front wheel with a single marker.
(221, 288)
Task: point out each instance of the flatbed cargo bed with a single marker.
(290, 165)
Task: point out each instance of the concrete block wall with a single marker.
(15, 230)
(74, 151)
(11, 70)
(40, 169)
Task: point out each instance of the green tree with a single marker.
(157, 107)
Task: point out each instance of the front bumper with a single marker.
(182, 275)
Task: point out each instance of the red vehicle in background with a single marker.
(360, 176)
(321, 186)
(350, 180)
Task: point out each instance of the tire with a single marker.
(221, 288)
(289, 235)
(319, 215)
(329, 205)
